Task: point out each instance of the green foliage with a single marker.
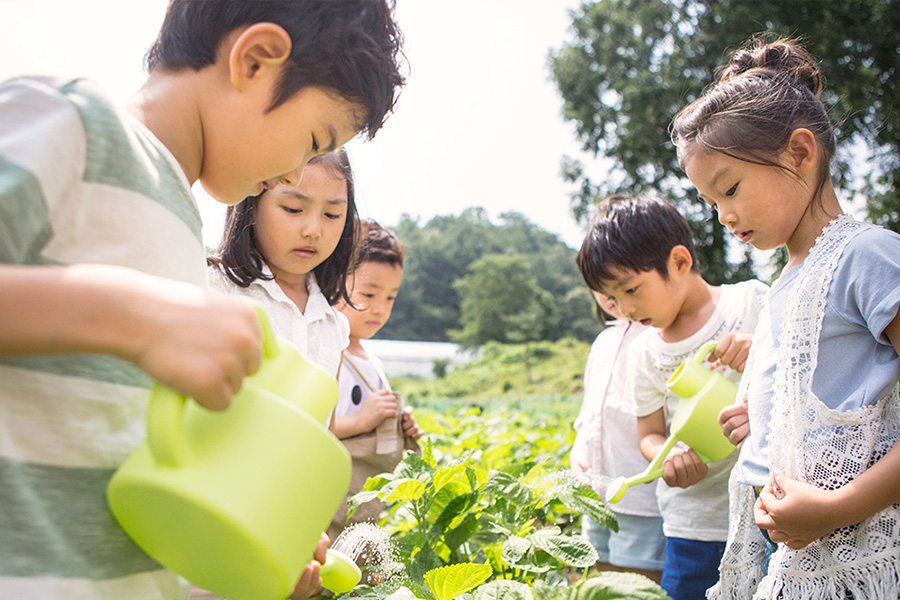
(539, 369)
(489, 511)
(630, 65)
(441, 253)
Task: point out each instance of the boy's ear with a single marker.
(258, 51)
(680, 261)
(802, 151)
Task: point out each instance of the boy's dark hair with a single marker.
(765, 92)
(632, 233)
(238, 255)
(352, 47)
(378, 244)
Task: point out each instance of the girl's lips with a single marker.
(305, 252)
(744, 236)
(645, 321)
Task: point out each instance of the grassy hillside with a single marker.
(507, 372)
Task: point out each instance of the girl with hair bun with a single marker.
(815, 495)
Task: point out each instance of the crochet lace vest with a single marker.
(810, 442)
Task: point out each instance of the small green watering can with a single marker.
(235, 501)
(695, 422)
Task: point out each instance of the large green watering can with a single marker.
(695, 422)
(235, 501)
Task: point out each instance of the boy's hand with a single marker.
(310, 582)
(199, 343)
(411, 429)
(683, 468)
(732, 349)
(735, 422)
(378, 406)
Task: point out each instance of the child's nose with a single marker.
(293, 178)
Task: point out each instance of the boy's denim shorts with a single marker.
(639, 543)
(692, 567)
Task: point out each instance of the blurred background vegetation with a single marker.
(626, 68)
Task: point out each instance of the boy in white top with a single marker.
(639, 252)
(369, 418)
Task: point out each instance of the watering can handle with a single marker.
(165, 411)
(703, 351)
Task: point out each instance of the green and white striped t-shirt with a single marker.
(80, 182)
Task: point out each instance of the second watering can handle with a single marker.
(703, 351)
(165, 411)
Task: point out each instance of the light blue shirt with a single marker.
(857, 365)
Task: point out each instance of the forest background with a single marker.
(625, 69)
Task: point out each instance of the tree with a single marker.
(632, 64)
(441, 252)
(502, 302)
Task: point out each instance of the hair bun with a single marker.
(783, 58)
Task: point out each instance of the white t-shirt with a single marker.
(320, 333)
(354, 390)
(699, 512)
(606, 426)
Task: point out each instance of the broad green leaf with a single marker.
(504, 589)
(544, 591)
(571, 550)
(461, 532)
(402, 593)
(360, 498)
(445, 475)
(451, 581)
(456, 507)
(406, 491)
(514, 549)
(583, 500)
(610, 585)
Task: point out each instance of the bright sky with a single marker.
(477, 125)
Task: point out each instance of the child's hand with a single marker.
(683, 468)
(411, 429)
(796, 513)
(310, 581)
(580, 464)
(199, 343)
(735, 422)
(378, 406)
(732, 349)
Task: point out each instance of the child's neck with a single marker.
(166, 105)
(295, 289)
(355, 348)
(813, 221)
(698, 305)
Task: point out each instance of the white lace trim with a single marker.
(811, 442)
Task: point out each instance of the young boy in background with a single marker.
(102, 264)
(369, 418)
(639, 252)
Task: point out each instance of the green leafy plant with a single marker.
(489, 512)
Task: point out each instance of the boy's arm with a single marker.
(199, 343)
(797, 513)
(378, 406)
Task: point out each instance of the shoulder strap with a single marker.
(351, 362)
